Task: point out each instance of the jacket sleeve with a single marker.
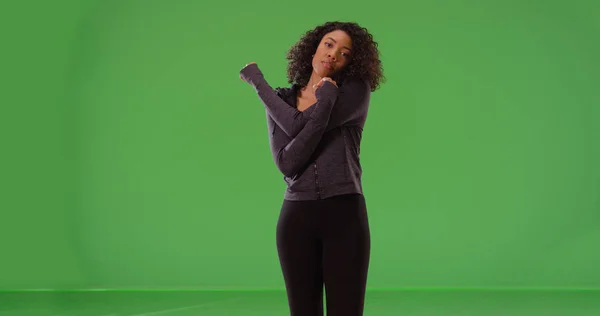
(352, 104)
(350, 107)
(289, 119)
(292, 154)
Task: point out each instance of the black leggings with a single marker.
(325, 242)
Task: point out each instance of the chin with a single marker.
(325, 73)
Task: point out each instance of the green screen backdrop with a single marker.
(123, 124)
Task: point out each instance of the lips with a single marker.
(327, 65)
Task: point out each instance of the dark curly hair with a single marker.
(365, 62)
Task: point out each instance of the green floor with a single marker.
(379, 303)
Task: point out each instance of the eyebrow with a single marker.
(331, 38)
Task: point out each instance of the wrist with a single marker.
(251, 73)
(326, 91)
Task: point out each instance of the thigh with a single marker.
(346, 251)
(300, 254)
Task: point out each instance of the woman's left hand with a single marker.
(245, 67)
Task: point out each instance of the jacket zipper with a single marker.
(317, 182)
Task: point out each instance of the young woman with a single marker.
(315, 128)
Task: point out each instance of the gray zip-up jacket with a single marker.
(318, 149)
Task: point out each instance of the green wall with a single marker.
(126, 119)
(39, 242)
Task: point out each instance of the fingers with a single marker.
(328, 79)
(322, 81)
(245, 67)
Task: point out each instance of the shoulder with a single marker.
(356, 86)
(285, 92)
(282, 91)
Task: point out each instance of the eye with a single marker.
(328, 44)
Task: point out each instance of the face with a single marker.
(333, 54)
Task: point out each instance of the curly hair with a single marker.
(365, 62)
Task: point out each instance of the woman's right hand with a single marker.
(322, 81)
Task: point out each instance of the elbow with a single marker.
(285, 166)
(286, 169)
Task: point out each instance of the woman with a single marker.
(315, 128)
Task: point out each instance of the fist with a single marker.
(245, 67)
(322, 81)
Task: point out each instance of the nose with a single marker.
(333, 56)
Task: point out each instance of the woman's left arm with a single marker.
(352, 104)
(289, 119)
(350, 108)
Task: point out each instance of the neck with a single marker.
(314, 79)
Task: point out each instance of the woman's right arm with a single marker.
(292, 154)
(351, 104)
